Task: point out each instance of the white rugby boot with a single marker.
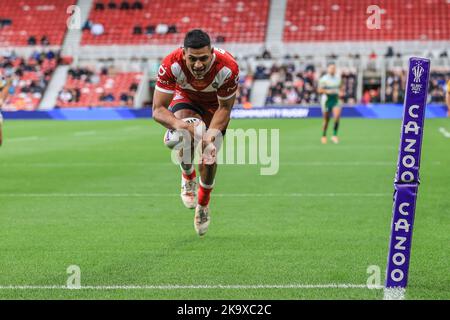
(201, 219)
(335, 139)
(189, 192)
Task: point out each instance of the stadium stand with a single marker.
(335, 20)
(123, 30)
(33, 22)
(166, 21)
(245, 90)
(290, 85)
(106, 88)
(26, 78)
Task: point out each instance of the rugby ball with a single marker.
(172, 137)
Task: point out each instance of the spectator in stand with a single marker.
(99, 6)
(389, 52)
(266, 54)
(137, 30)
(137, 5)
(150, 29)
(87, 25)
(162, 28)
(45, 41)
(65, 96)
(97, 29)
(107, 97)
(31, 41)
(220, 39)
(126, 98)
(261, 73)
(112, 5)
(134, 87)
(125, 5)
(5, 22)
(172, 29)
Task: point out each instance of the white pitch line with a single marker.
(444, 132)
(193, 287)
(84, 133)
(32, 138)
(221, 195)
(150, 164)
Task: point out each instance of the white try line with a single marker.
(193, 287)
(150, 164)
(159, 195)
(444, 132)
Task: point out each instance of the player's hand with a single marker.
(190, 127)
(209, 150)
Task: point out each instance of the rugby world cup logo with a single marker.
(417, 72)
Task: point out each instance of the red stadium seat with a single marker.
(34, 18)
(236, 20)
(116, 84)
(345, 20)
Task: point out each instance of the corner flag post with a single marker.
(407, 179)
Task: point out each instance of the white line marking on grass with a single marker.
(84, 133)
(444, 132)
(152, 164)
(24, 139)
(192, 287)
(145, 195)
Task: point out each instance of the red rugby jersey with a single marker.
(219, 82)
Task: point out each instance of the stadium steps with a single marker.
(54, 87)
(73, 36)
(259, 92)
(275, 25)
(143, 91)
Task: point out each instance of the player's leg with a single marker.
(207, 169)
(325, 122)
(325, 117)
(188, 175)
(337, 116)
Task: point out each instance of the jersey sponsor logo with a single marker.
(165, 82)
(162, 71)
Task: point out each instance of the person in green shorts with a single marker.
(329, 87)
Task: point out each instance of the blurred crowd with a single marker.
(396, 84)
(87, 86)
(24, 80)
(289, 85)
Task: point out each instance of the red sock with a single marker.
(204, 195)
(189, 174)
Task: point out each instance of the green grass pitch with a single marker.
(104, 196)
